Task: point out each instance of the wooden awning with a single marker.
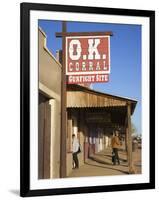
(82, 97)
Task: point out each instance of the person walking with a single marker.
(115, 147)
(75, 151)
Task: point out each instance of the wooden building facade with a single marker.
(93, 116)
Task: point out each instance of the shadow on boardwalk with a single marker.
(109, 168)
(100, 164)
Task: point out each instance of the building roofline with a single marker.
(46, 49)
(100, 93)
(84, 89)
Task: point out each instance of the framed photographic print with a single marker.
(87, 99)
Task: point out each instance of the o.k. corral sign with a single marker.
(87, 57)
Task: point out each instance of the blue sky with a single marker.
(125, 54)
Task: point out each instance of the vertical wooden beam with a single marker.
(47, 140)
(41, 140)
(63, 110)
(126, 139)
(129, 148)
(126, 142)
(69, 132)
(126, 132)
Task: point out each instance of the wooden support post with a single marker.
(69, 133)
(129, 138)
(126, 133)
(47, 140)
(63, 110)
(126, 143)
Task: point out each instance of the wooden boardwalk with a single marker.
(100, 164)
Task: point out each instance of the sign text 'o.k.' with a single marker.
(87, 59)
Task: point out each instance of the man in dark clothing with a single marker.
(115, 147)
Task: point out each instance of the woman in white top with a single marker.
(75, 151)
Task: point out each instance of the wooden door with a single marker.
(44, 137)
